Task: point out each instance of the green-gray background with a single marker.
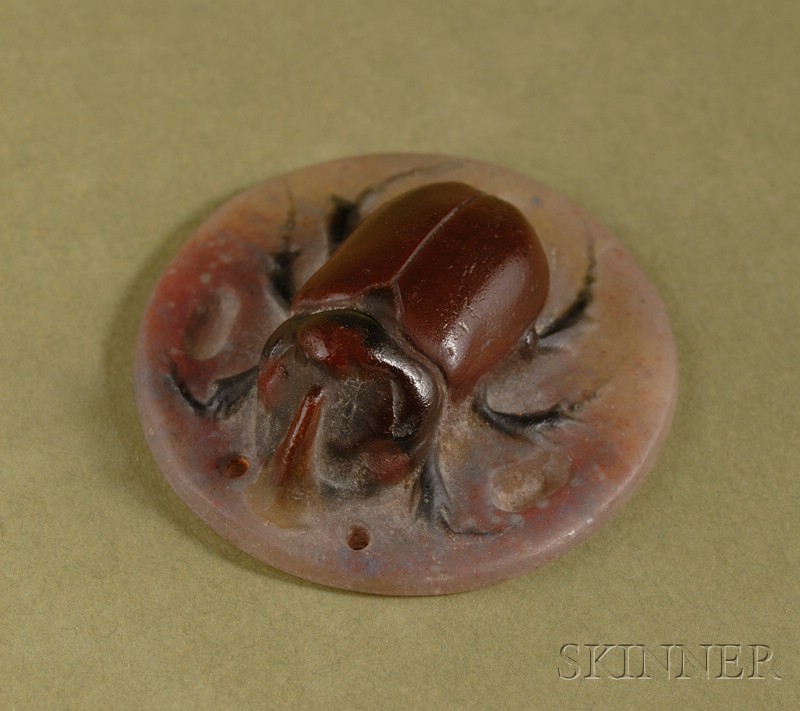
(122, 124)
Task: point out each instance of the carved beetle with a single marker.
(416, 306)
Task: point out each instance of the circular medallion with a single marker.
(404, 374)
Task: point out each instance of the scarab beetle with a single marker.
(425, 297)
(373, 374)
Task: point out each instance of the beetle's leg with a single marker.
(342, 220)
(527, 424)
(280, 270)
(435, 503)
(534, 338)
(281, 276)
(433, 497)
(346, 214)
(229, 393)
(227, 397)
(445, 520)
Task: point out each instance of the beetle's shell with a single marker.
(461, 273)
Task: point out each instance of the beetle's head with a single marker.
(349, 409)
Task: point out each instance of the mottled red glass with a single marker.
(404, 374)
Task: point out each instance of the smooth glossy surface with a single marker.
(461, 273)
(404, 374)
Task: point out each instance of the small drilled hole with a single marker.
(358, 538)
(236, 467)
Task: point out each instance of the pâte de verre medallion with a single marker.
(404, 374)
